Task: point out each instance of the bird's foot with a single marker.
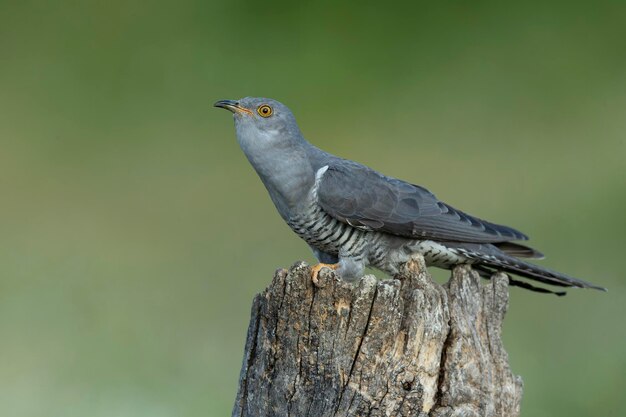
(315, 270)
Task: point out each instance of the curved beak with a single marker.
(232, 106)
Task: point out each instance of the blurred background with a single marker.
(134, 234)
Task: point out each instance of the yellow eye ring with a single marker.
(265, 110)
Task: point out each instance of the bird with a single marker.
(353, 217)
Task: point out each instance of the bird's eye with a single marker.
(264, 110)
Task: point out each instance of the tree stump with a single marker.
(399, 347)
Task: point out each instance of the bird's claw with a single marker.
(315, 270)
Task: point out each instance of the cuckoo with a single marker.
(354, 217)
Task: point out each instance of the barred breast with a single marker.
(326, 233)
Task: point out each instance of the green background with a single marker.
(129, 216)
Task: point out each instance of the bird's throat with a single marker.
(287, 174)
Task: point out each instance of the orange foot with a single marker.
(315, 270)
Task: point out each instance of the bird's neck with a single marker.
(286, 172)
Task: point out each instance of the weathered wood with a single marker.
(400, 347)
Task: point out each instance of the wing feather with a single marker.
(362, 197)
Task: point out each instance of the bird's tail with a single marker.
(496, 260)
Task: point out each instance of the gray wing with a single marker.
(364, 198)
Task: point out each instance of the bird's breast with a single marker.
(324, 232)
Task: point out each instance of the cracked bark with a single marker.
(400, 347)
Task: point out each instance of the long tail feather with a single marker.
(488, 258)
(516, 266)
(487, 273)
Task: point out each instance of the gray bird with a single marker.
(353, 217)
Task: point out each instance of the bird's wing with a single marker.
(364, 198)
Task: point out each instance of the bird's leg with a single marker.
(315, 270)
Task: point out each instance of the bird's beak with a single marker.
(233, 106)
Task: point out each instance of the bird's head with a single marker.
(261, 121)
(269, 137)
